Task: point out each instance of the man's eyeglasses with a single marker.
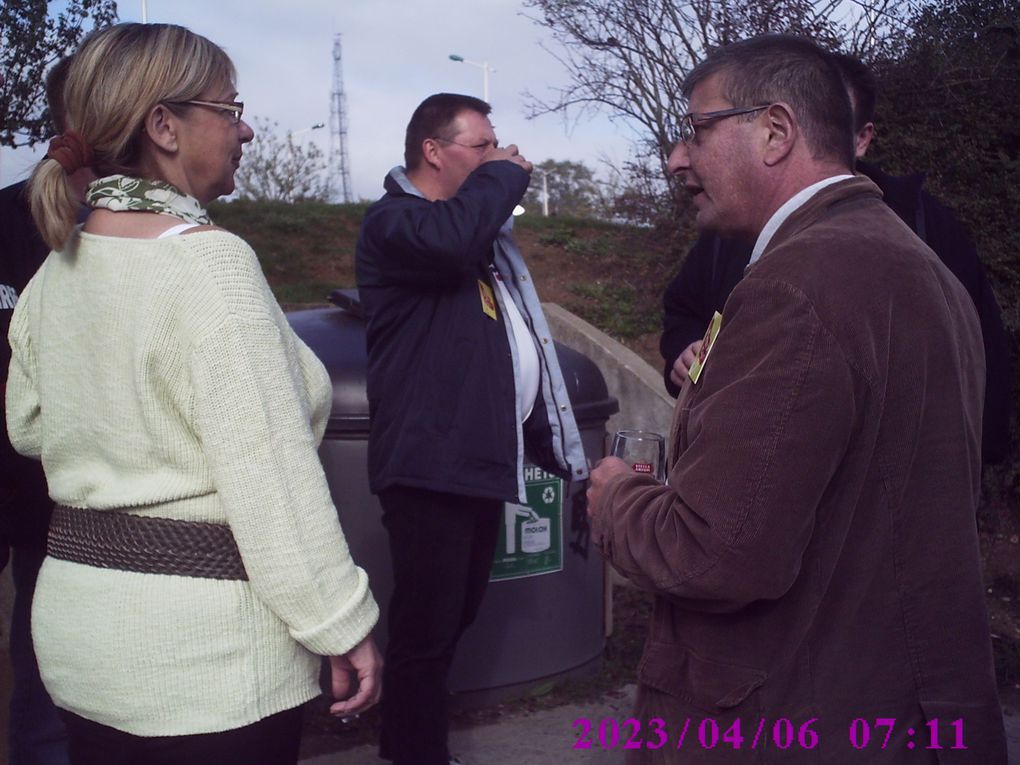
(688, 121)
(233, 108)
(479, 147)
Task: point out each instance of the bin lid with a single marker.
(337, 336)
(589, 396)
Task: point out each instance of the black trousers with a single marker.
(442, 547)
(274, 740)
(36, 734)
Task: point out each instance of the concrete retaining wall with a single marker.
(644, 403)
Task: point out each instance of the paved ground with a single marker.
(1013, 737)
(539, 738)
(547, 738)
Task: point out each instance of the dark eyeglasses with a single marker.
(480, 147)
(233, 108)
(688, 120)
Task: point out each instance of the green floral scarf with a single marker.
(123, 193)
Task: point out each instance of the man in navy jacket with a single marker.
(462, 377)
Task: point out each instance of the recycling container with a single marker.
(542, 617)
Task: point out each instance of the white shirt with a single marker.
(527, 354)
(784, 212)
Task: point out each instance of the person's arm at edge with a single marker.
(687, 307)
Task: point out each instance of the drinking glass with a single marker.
(644, 451)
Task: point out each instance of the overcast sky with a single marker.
(395, 52)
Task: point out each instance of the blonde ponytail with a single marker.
(54, 203)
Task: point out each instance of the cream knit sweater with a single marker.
(161, 376)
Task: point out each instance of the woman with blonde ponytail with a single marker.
(195, 566)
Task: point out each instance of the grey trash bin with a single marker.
(542, 617)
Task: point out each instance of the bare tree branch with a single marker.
(629, 58)
(280, 169)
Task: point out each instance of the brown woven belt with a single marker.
(112, 539)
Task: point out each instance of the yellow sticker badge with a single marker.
(488, 299)
(707, 343)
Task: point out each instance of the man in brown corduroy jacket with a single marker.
(814, 553)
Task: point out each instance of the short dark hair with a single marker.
(432, 119)
(55, 79)
(772, 68)
(863, 88)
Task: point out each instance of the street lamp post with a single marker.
(545, 191)
(484, 66)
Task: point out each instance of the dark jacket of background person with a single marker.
(25, 506)
(814, 553)
(714, 266)
(35, 732)
(440, 377)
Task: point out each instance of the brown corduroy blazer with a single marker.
(814, 555)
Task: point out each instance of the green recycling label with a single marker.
(531, 536)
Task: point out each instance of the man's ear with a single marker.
(783, 133)
(160, 126)
(430, 152)
(863, 139)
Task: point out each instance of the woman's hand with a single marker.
(363, 660)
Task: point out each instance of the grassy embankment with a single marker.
(610, 275)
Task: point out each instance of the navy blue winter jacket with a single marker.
(441, 387)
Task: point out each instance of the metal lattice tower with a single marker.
(339, 166)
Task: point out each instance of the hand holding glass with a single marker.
(644, 451)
